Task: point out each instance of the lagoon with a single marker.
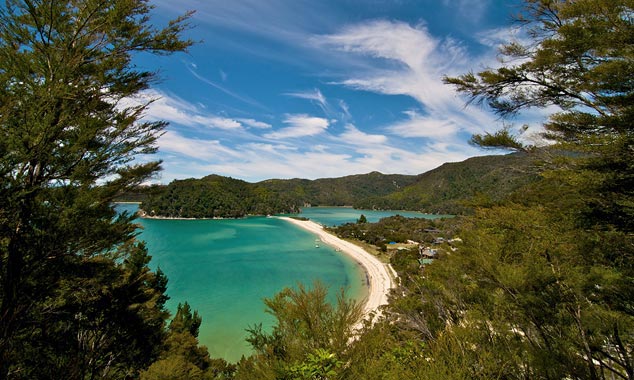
(224, 268)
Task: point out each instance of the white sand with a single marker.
(379, 274)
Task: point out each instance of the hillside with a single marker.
(450, 187)
(445, 189)
(215, 196)
(343, 191)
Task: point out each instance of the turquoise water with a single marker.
(333, 216)
(224, 268)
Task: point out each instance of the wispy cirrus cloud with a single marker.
(192, 68)
(354, 136)
(255, 123)
(314, 95)
(377, 99)
(173, 109)
(469, 9)
(300, 125)
(417, 125)
(176, 110)
(200, 149)
(414, 64)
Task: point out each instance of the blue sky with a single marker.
(314, 89)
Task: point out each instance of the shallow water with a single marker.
(334, 216)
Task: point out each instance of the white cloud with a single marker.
(255, 123)
(497, 37)
(414, 64)
(199, 149)
(384, 57)
(314, 95)
(257, 161)
(418, 125)
(345, 109)
(469, 9)
(300, 125)
(354, 136)
(192, 68)
(175, 110)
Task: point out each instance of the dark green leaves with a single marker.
(74, 286)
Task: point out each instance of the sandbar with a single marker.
(380, 275)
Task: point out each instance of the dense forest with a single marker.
(343, 191)
(449, 189)
(540, 284)
(216, 197)
(453, 188)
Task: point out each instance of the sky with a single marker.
(323, 88)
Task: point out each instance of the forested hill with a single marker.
(446, 190)
(215, 196)
(450, 188)
(343, 191)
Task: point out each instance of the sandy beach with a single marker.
(380, 275)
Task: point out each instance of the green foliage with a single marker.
(182, 357)
(343, 191)
(309, 339)
(454, 188)
(107, 319)
(554, 267)
(537, 293)
(502, 139)
(185, 321)
(362, 219)
(580, 59)
(320, 365)
(216, 196)
(397, 229)
(76, 298)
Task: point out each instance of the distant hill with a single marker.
(446, 189)
(450, 187)
(342, 191)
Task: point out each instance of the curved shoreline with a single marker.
(379, 274)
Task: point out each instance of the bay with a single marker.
(335, 216)
(224, 268)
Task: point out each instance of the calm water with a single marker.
(334, 216)
(224, 268)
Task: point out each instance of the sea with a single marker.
(224, 268)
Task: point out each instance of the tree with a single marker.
(579, 59)
(186, 321)
(548, 274)
(308, 340)
(67, 145)
(183, 358)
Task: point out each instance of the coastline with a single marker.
(380, 275)
(142, 214)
